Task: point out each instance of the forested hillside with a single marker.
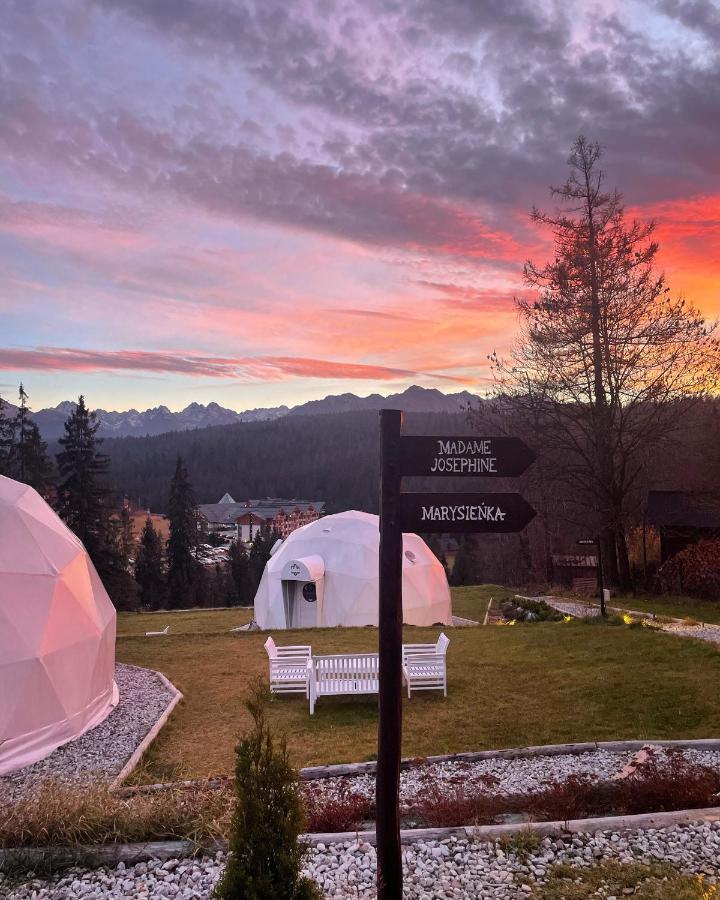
(330, 457)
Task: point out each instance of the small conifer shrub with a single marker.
(265, 857)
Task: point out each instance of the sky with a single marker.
(258, 202)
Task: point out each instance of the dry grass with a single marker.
(59, 815)
(656, 881)
(538, 683)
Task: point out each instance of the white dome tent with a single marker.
(326, 574)
(57, 632)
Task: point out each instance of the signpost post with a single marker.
(468, 456)
(595, 542)
(387, 790)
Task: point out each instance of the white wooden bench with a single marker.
(288, 668)
(342, 674)
(424, 666)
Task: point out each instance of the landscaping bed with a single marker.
(101, 753)
(435, 794)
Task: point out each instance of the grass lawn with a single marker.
(508, 686)
(680, 607)
(194, 621)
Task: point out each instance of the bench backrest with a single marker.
(439, 648)
(292, 652)
(363, 668)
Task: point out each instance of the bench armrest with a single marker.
(435, 658)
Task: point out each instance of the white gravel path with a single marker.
(101, 752)
(496, 776)
(454, 868)
(571, 607)
(710, 633)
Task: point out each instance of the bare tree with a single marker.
(607, 361)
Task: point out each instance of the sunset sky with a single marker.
(266, 202)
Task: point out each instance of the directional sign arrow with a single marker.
(464, 513)
(466, 455)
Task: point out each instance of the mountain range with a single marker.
(160, 420)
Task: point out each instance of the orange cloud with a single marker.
(688, 231)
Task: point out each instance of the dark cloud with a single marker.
(428, 124)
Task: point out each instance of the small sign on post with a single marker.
(467, 456)
(595, 542)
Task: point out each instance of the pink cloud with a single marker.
(261, 368)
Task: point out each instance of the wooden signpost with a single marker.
(468, 456)
(596, 542)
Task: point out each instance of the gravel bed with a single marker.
(497, 776)
(453, 868)
(571, 608)
(100, 753)
(709, 633)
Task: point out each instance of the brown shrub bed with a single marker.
(59, 815)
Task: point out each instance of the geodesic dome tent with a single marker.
(326, 574)
(57, 632)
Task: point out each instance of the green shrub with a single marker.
(265, 857)
(522, 609)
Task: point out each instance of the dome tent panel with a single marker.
(61, 684)
(27, 620)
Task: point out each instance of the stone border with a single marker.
(132, 763)
(112, 854)
(317, 773)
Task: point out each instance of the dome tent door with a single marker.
(302, 591)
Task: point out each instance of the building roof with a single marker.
(228, 512)
(574, 561)
(683, 509)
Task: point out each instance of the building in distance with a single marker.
(249, 517)
(682, 518)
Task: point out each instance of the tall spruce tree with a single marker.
(82, 469)
(182, 565)
(240, 573)
(30, 461)
(85, 504)
(150, 569)
(465, 568)
(259, 555)
(6, 440)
